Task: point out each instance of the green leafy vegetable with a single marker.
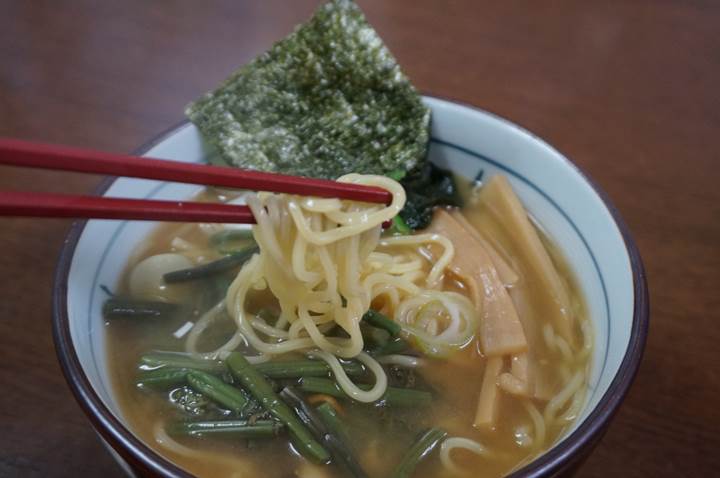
(399, 227)
(340, 451)
(395, 346)
(231, 241)
(127, 308)
(214, 388)
(305, 368)
(396, 174)
(163, 377)
(210, 269)
(232, 428)
(328, 100)
(377, 319)
(427, 187)
(258, 386)
(178, 360)
(424, 445)
(189, 401)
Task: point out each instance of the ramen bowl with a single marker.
(472, 143)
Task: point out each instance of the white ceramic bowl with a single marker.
(471, 142)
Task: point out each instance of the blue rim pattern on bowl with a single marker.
(558, 460)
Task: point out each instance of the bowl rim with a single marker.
(561, 458)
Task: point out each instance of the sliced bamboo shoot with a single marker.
(518, 381)
(509, 383)
(487, 409)
(497, 195)
(501, 332)
(507, 274)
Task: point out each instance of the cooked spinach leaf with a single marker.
(427, 187)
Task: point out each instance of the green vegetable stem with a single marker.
(255, 384)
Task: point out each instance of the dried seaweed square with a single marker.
(327, 100)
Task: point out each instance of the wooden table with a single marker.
(627, 90)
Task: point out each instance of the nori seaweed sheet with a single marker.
(327, 100)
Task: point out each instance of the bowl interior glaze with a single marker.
(471, 142)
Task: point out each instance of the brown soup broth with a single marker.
(380, 436)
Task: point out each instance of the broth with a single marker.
(379, 435)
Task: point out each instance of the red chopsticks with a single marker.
(14, 203)
(33, 155)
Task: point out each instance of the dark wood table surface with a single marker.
(627, 89)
